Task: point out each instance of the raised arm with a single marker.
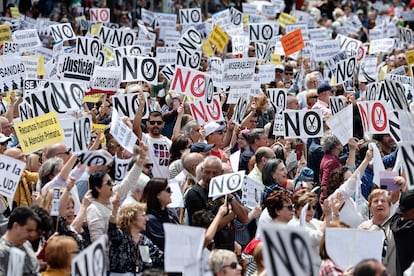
(138, 116)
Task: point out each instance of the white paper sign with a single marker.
(92, 260)
(251, 193)
(16, 259)
(122, 133)
(303, 123)
(226, 184)
(11, 170)
(342, 124)
(177, 200)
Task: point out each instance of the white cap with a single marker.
(211, 127)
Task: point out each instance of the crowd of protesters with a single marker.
(320, 179)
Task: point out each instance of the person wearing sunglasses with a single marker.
(157, 195)
(224, 262)
(158, 145)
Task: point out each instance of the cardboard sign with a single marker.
(396, 94)
(94, 158)
(12, 72)
(336, 104)
(240, 110)
(5, 33)
(407, 156)
(303, 123)
(82, 128)
(76, 68)
(166, 55)
(139, 69)
(129, 51)
(324, 50)
(204, 113)
(347, 43)
(226, 184)
(190, 16)
(342, 124)
(193, 83)
(62, 32)
(237, 71)
(251, 193)
(345, 70)
(385, 45)
(39, 132)
(127, 105)
(266, 73)
(105, 80)
(240, 44)
(183, 59)
(219, 38)
(285, 19)
(11, 169)
(168, 72)
(121, 169)
(116, 37)
(88, 46)
(292, 42)
(92, 260)
(122, 133)
(27, 39)
(216, 69)
(374, 116)
(318, 34)
(278, 99)
(190, 41)
(236, 17)
(54, 211)
(99, 15)
(263, 32)
(286, 250)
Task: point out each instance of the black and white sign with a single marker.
(99, 15)
(11, 170)
(92, 260)
(190, 16)
(116, 37)
(303, 123)
(139, 69)
(226, 184)
(62, 32)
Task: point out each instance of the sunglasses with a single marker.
(149, 165)
(156, 122)
(109, 182)
(312, 207)
(288, 73)
(4, 143)
(233, 265)
(168, 189)
(289, 207)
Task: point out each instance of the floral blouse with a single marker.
(124, 252)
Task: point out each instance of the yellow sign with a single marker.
(245, 19)
(286, 19)
(39, 132)
(219, 38)
(41, 65)
(94, 98)
(95, 29)
(109, 54)
(15, 12)
(206, 48)
(101, 128)
(276, 59)
(410, 61)
(5, 34)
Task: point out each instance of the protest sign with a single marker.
(94, 158)
(266, 73)
(105, 80)
(62, 32)
(77, 68)
(234, 160)
(278, 99)
(324, 50)
(116, 37)
(183, 59)
(285, 19)
(5, 33)
(189, 240)
(127, 105)
(237, 71)
(395, 94)
(190, 41)
(318, 34)
(177, 200)
(385, 45)
(10, 48)
(12, 73)
(16, 259)
(279, 125)
(251, 193)
(286, 250)
(292, 42)
(387, 181)
(336, 104)
(303, 26)
(374, 116)
(407, 156)
(122, 133)
(240, 44)
(39, 132)
(219, 38)
(166, 55)
(168, 72)
(347, 247)
(345, 70)
(129, 51)
(92, 260)
(190, 16)
(263, 32)
(54, 211)
(240, 110)
(26, 39)
(303, 124)
(226, 184)
(99, 15)
(368, 69)
(347, 43)
(121, 169)
(203, 112)
(342, 124)
(82, 128)
(11, 169)
(88, 46)
(139, 69)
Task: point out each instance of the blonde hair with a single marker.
(128, 213)
(217, 259)
(59, 251)
(378, 192)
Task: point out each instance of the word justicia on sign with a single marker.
(80, 65)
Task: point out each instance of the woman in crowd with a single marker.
(130, 251)
(60, 251)
(178, 148)
(157, 195)
(224, 262)
(274, 176)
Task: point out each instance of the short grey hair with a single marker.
(50, 166)
(212, 159)
(188, 127)
(329, 142)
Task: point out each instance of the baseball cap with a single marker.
(212, 127)
(201, 147)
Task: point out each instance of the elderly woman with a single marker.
(157, 195)
(131, 252)
(60, 251)
(379, 202)
(224, 262)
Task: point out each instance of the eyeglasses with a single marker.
(289, 207)
(288, 73)
(233, 265)
(149, 165)
(156, 122)
(109, 182)
(168, 189)
(67, 152)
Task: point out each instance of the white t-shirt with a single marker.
(159, 154)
